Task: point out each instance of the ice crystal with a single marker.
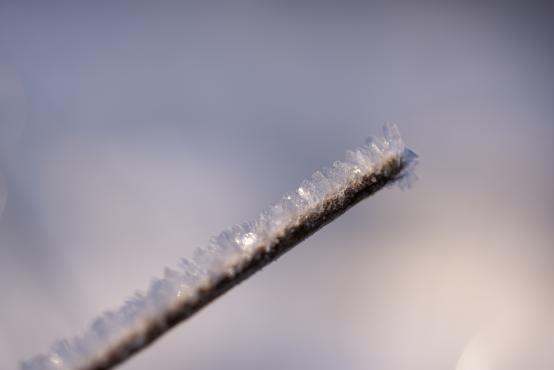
(127, 328)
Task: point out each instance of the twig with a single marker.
(233, 256)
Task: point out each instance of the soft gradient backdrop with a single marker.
(131, 131)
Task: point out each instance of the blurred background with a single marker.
(131, 131)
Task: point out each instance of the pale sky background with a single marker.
(131, 131)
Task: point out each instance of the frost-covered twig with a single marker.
(233, 256)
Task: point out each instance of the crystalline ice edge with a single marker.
(231, 245)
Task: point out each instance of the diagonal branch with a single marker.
(233, 256)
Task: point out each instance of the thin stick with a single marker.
(233, 256)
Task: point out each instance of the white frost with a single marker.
(222, 253)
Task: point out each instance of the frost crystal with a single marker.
(233, 255)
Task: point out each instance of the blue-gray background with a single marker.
(131, 131)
